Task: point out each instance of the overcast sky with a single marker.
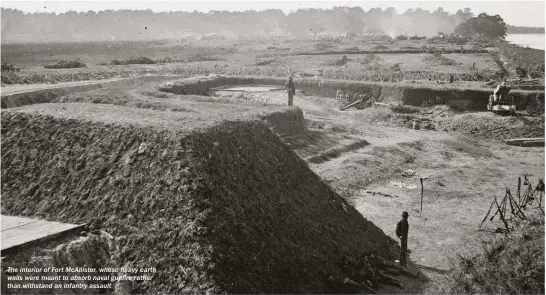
(518, 13)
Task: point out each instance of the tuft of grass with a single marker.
(133, 61)
(417, 145)
(438, 58)
(340, 62)
(512, 264)
(323, 46)
(265, 62)
(381, 47)
(339, 129)
(66, 64)
(154, 93)
(405, 109)
(409, 48)
(204, 57)
(370, 59)
(165, 60)
(9, 67)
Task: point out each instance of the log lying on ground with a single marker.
(525, 141)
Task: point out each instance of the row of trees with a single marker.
(355, 21)
(18, 26)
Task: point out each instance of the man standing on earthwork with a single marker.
(402, 233)
(291, 90)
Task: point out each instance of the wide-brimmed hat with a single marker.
(405, 214)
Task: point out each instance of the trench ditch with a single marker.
(467, 99)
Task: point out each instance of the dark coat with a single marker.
(291, 87)
(402, 228)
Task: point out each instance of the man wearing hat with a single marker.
(291, 90)
(402, 232)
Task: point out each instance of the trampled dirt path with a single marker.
(22, 88)
(11, 89)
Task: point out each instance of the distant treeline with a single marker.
(108, 25)
(524, 30)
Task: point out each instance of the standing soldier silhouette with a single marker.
(402, 233)
(291, 90)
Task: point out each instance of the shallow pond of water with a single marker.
(261, 88)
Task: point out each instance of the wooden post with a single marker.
(500, 208)
(501, 215)
(511, 206)
(519, 189)
(421, 179)
(524, 197)
(486, 215)
(368, 288)
(527, 195)
(504, 206)
(519, 210)
(540, 202)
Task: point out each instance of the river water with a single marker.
(532, 40)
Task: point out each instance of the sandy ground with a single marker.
(21, 88)
(10, 89)
(462, 177)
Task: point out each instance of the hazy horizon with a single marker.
(136, 21)
(533, 11)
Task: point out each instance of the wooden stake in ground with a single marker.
(517, 207)
(486, 215)
(519, 189)
(526, 195)
(501, 205)
(511, 205)
(540, 190)
(421, 179)
(502, 215)
(368, 288)
(540, 202)
(504, 206)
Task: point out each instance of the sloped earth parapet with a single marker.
(224, 208)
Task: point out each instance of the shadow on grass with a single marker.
(432, 269)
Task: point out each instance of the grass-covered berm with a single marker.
(218, 207)
(510, 264)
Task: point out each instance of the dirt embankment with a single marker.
(408, 94)
(412, 94)
(510, 264)
(495, 127)
(226, 208)
(283, 120)
(387, 51)
(26, 95)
